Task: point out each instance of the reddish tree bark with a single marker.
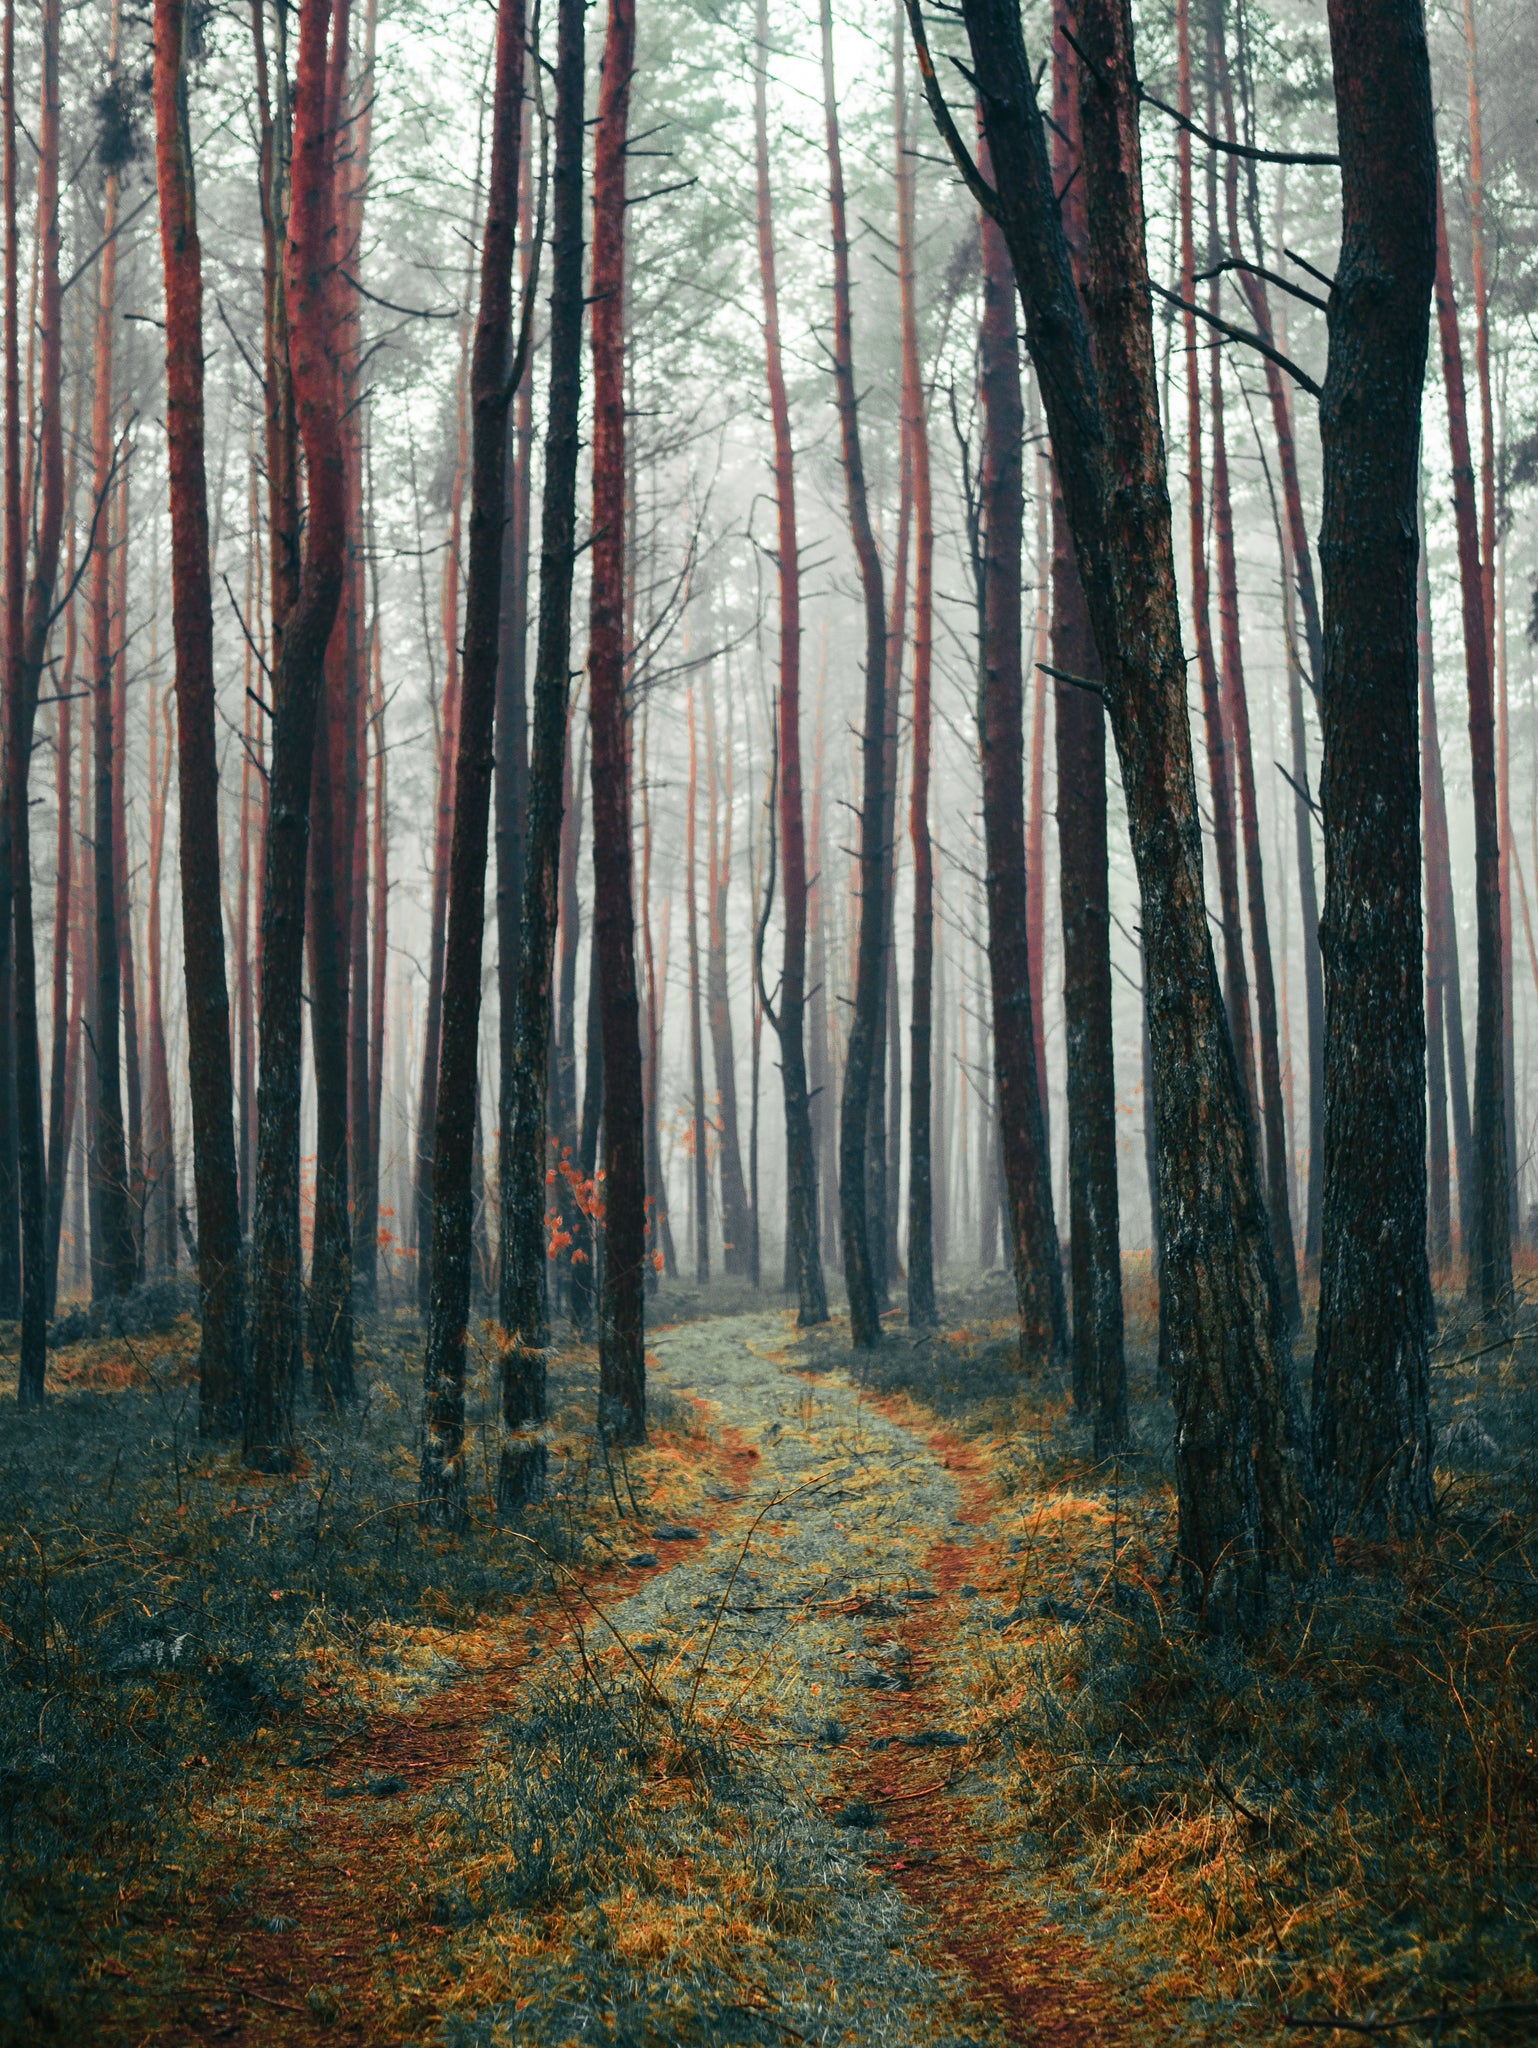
(1440, 930)
(1236, 993)
(788, 1017)
(1000, 729)
(1094, 1207)
(1489, 1246)
(61, 1102)
(297, 685)
(511, 793)
(442, 1488)
(1371, 1406)
(523, 1259)
(443, 834)
(863, 1050)
(12, 547)
(621, 1363)
(113, 1259)
(921, 1178)
(160, 1234)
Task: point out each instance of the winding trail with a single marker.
(816, 1605)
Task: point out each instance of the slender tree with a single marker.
(700, 1160)
(442, 1470)
(114, 1261)
(787, 1017)
(297, 685)
(863, 1049)
(1488, 1249)
(26, 647)
(1033, 1245)
(1084, 889)
(523, 1262)
(621, 1357)
(921, 1227)
(1371, 1409)
(736, 1219)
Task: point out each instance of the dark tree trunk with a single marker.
(701, 1128)
(61, 1100)
(1000, 730)
(1487, 1219)
(511, 791)
(332, 796)
(26, 648)
(1439, 1233)
(788, 1019)
(1236, 993)
(1273, 1122)
(921, 1228)
(621, 1326)
(442, 1489)
(523, 1261)
(113, 1258)
(736, 1220)
(15, 760)
(1094, 1209)
(1372, 1431)
(1241, 1469)
(861, 1256)
(297, 687)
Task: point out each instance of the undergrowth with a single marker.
(1336, 1817)
(170, 1621)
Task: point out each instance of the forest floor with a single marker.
(854, 1708)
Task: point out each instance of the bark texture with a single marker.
(621, 1327)
(442, 1482)
(1241, 1459)
(523, 1260)
(1371, 1412)
(221, 1280)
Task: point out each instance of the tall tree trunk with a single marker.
(863, 1048)
(113, 1260)
(129, 979)
(297, 687)
(160, 1157)
(788, 1018)
(16, 761)
(61, 1103)
(700, 1202)
(363, 1226)
(736, 1220)
(379, 861)
(1372, 1379)
(1488, 541)
(1439, 914)
(921, 1177)
(1273, 1122)
(1299, 569)
(522, 1261)
(1241, 1469)
(26, 648)
(1488, 1245)
(1084, 892)
(511, 793)
(1027, 1169)
(821, 1059)
(1236, 994)
(448, 754)
(442, 1471)
(331, 845)
(621, 1358)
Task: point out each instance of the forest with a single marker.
(769, 1022)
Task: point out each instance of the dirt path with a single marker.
(814, 1617)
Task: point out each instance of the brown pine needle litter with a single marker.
(857, 1709)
